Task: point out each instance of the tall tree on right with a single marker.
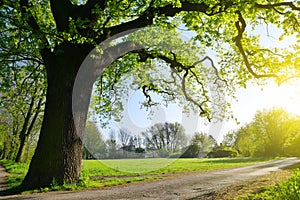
(269, 134)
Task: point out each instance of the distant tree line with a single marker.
(160, 140)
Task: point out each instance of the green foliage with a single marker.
(94, 145)
(289, 189)
(293, 146)
(22, 85)
(17, 172)
(272, 132)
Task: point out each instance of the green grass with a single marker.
(116, 172)
(17, 172)
(289, 189)
(129, 167)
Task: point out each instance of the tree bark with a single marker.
(58, 154)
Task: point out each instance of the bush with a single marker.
(191, 152)
(221, 154)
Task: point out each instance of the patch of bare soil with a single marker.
(237, 191)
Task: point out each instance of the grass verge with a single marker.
(289, 189)
(276, 185)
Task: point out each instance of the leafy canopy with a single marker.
(228, 28)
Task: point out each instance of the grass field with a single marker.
(101, 173)
(161, 165)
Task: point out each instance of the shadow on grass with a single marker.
(294, 166)
(234, 160)
(12, 191)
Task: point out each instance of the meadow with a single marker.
(101, 173)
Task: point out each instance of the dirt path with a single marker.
(197, 186)
(3, 175)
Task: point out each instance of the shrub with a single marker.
(221, 154)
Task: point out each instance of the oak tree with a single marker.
(62, 33)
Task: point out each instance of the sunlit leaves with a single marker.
(215, 28)
(271, 133)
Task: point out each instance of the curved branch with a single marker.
(188, 98)
(272, 6)
(147, 88)
(213, 66)
(177, 67)
(147, 17)
(241, 26)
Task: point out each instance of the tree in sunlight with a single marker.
(269, 134)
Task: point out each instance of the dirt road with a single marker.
(3, 175)
(196, 186)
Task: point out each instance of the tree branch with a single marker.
(147, 17)
(24, 4)
(241, 26)
(213, 66)
(61, 11)
(29, 18)
(188, 98)
(177, 67)
(272, 6)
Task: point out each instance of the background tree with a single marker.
(169, 137)
(274, 127)
(111, 145)
(22, 100)
(269, 134)
(245, 142)
(94, 146)
(292, 147)
(230, 139)
(62, 33)
(124, 137)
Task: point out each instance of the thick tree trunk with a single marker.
(59, 150)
